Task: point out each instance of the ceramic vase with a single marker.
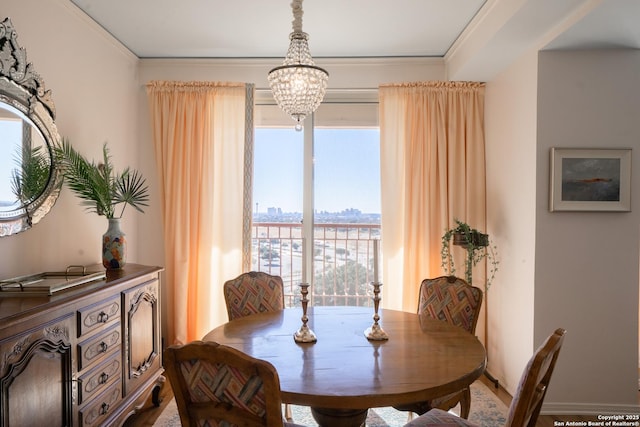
(114, 246)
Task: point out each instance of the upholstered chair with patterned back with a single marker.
(216, 385)
(527, 401)
(452, 300)
(253, 292)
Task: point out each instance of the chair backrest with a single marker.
(253, 292)
(451, 299)
(532, 388)
(217, 385)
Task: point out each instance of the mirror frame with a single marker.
(23, 89)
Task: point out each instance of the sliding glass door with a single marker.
(316, 197)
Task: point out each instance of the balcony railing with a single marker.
(342, 260)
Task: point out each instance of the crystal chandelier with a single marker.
(298, 85)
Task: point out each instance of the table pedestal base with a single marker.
(328, 417)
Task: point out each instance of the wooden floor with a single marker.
(149, 413)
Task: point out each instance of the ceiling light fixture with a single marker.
(298, 85)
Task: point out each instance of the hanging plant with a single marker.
(477, 246)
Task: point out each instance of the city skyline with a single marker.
(274, 210)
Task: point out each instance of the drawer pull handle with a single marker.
(104, 408)
(103, 317)
(103, 346)
(104, 377)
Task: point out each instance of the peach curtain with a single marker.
(432, 171)
(199, 137)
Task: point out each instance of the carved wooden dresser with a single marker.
(87, 356)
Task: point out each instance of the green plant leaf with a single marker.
(132, 190)
(100, 188)
(31, 175)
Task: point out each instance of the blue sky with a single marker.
(346, 163)
(11, 137)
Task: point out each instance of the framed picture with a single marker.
(590, 179)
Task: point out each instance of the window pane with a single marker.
(347, 214)
(277, 179)
(277, 197)
(347, 174)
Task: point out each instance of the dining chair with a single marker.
(217, 385)
(527, 401)
(253, 292)
(452, 300)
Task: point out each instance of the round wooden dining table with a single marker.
(344, 374)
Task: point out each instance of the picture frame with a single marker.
(590, 179)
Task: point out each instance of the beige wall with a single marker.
(93, 82)
(511, 186)
(586, 275)
(577, 270)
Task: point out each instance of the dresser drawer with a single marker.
(99, 378)
(96, 315)
(99, 346)
(98, 410)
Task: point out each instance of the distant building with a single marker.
(347, 216)
(351, 212)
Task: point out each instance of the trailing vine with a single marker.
(478, 247)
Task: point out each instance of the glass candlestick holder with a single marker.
(375, 331)
(304, 334)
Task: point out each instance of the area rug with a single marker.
(486, 411)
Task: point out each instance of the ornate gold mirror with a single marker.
(30, 178)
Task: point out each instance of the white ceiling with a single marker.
(260, 28)
(488, 33)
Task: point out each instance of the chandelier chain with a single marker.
(296, 6)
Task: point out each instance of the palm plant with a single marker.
(101, 189)
(31, 175)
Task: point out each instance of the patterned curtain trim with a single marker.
(248, 179)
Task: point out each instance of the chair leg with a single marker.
(465, 403)
(287, 413)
